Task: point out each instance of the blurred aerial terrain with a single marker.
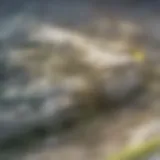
(78, 79)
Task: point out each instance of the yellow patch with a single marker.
(138, 56)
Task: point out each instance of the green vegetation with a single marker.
(141, 151)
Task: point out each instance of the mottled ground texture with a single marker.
(78, 79)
